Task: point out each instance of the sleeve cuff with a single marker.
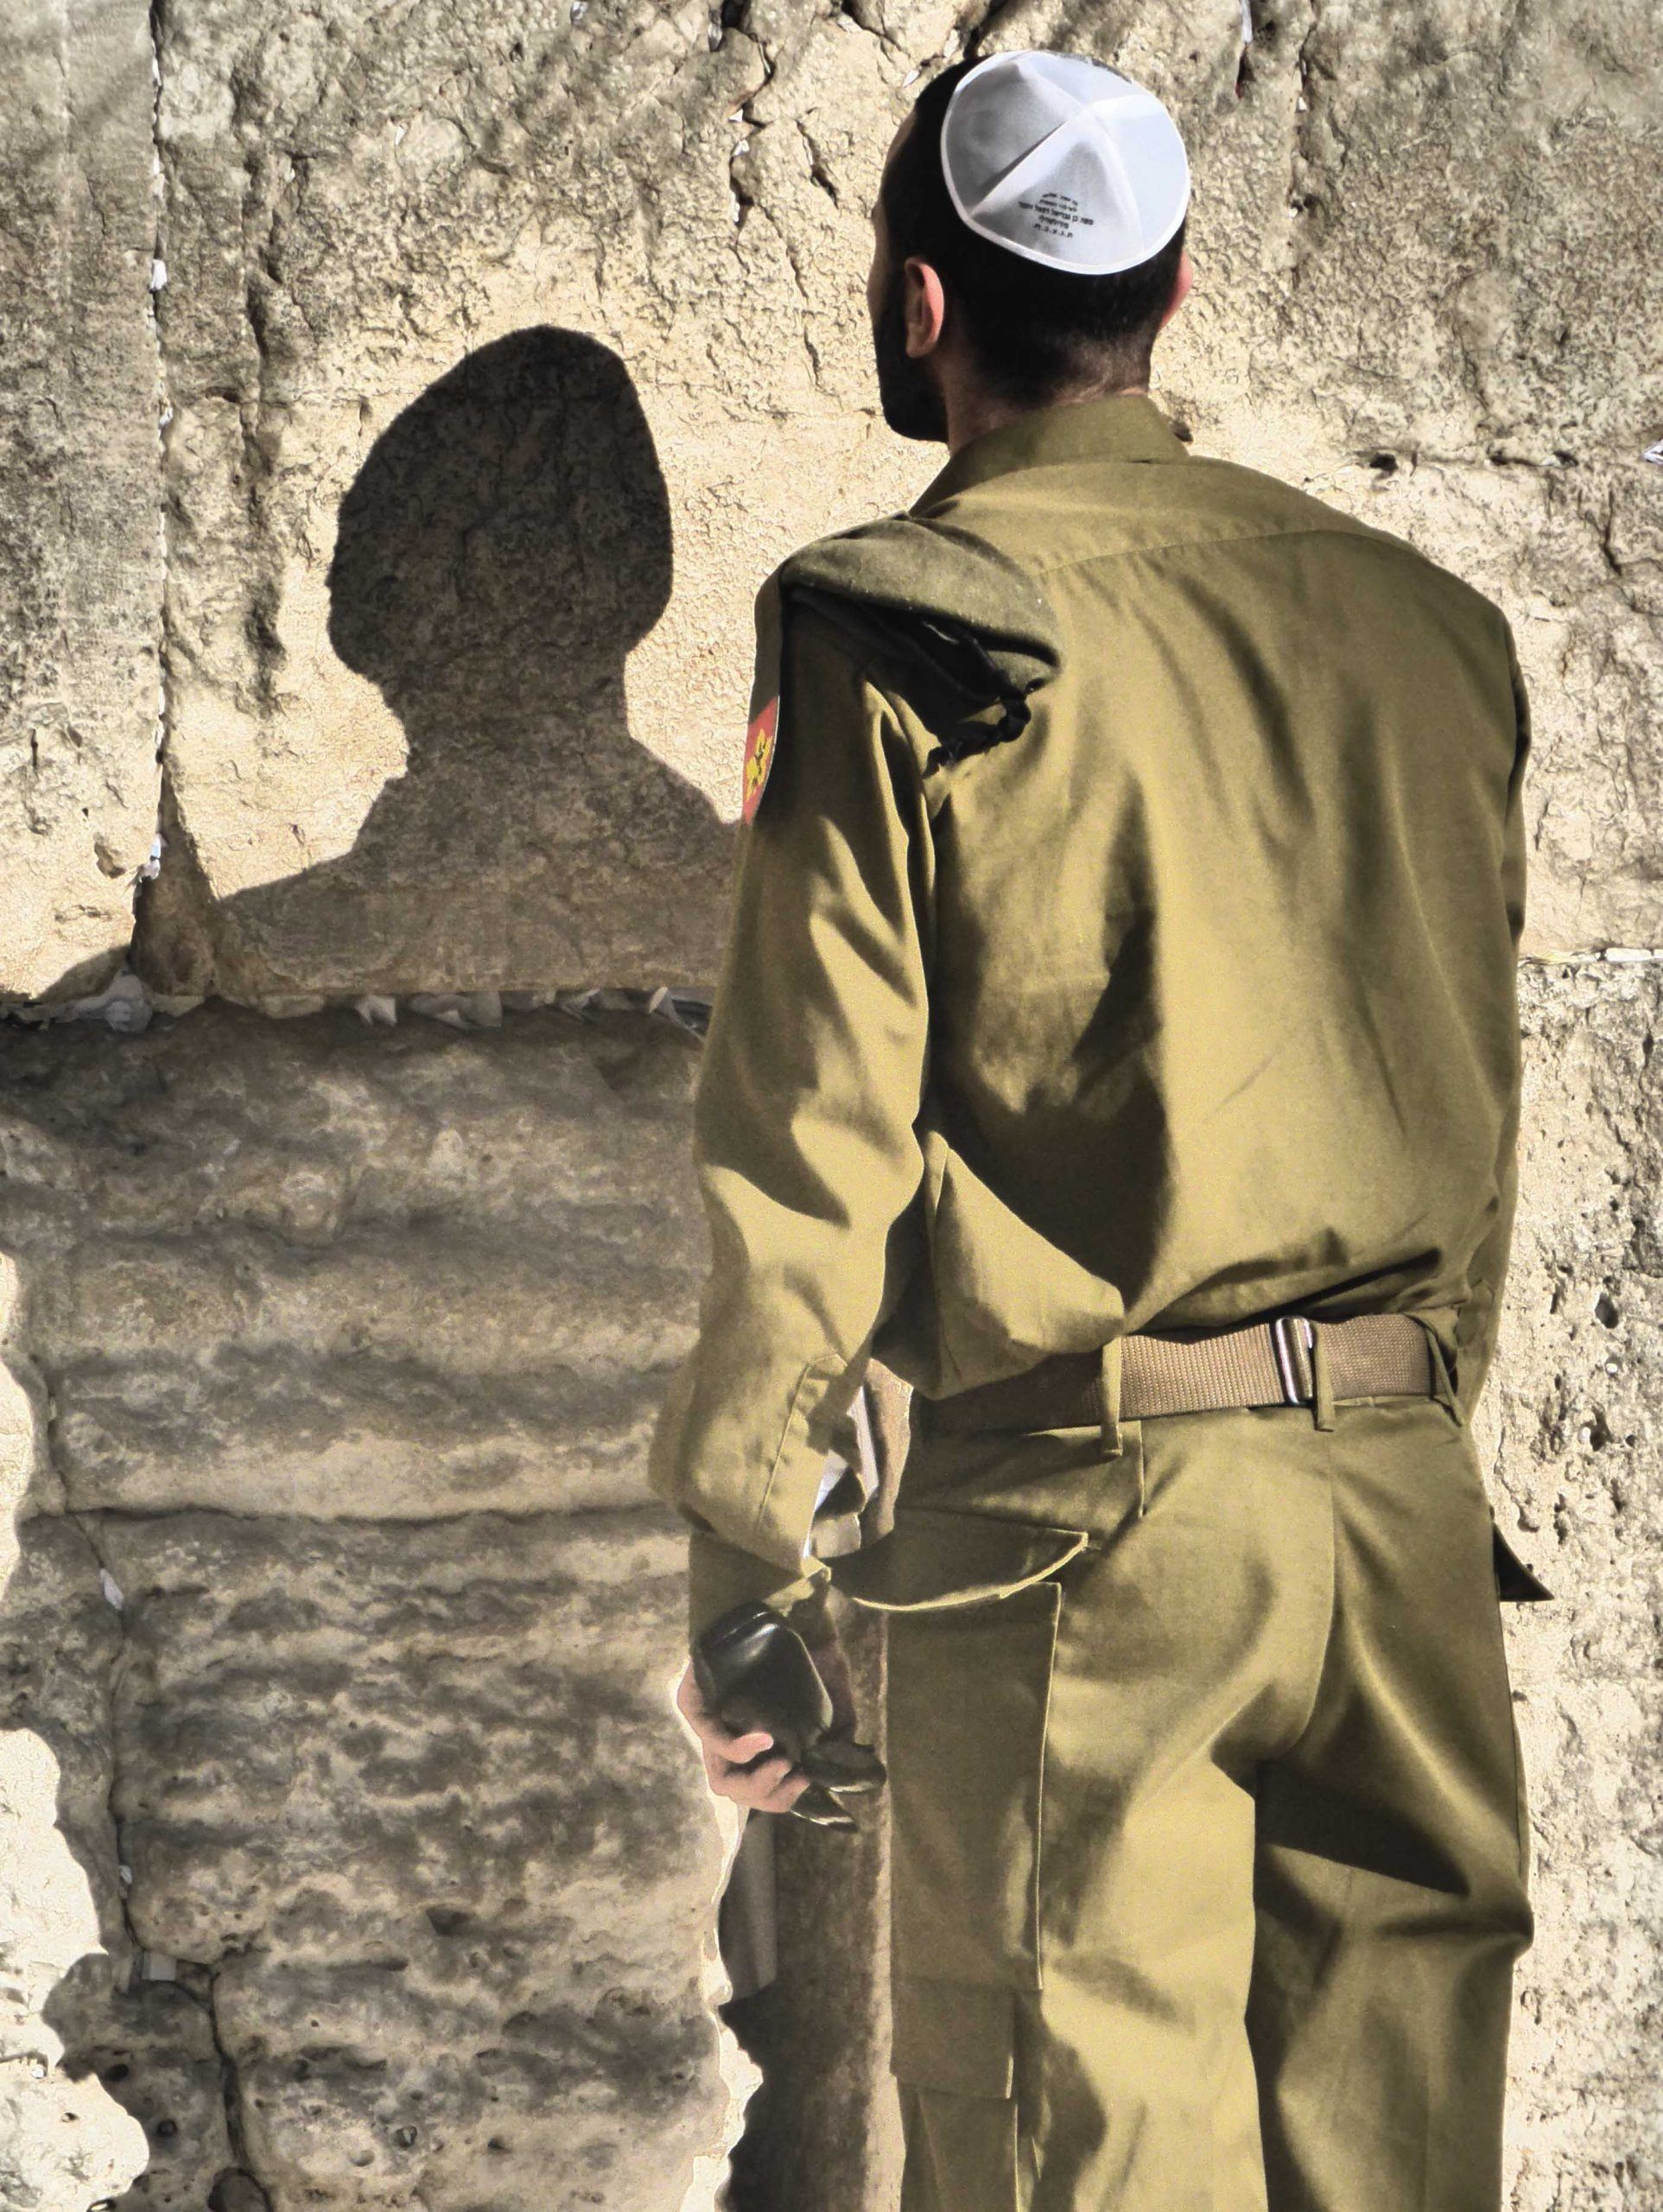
(719, 1576)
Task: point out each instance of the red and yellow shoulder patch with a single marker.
(758, 756)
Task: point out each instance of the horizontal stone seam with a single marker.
(79, 1515)
(1614, 956)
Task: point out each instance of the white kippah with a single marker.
(1063, 160)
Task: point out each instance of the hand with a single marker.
(744, 1767)
(737, 1766)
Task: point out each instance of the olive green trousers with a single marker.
(1211, 1853)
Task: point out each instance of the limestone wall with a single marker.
(342, 1614)
(397, 411)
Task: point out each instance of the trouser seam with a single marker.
(1058, 1601)
(1329, 1633)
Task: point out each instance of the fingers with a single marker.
(711, 1735)
(747, 1768)
(843, 1763)
(742, 1767)
(762, 1779)
(774, 1787)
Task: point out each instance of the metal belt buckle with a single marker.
(1293, 1355)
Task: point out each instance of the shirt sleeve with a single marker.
(1479, 1319)
(805, 1142)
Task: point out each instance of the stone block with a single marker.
(1570, 1424)
(414, 1798)
(80, 542)
(324, 1268)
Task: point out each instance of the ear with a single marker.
(1180, 289)
(924, 306)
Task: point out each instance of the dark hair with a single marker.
(1034, 332)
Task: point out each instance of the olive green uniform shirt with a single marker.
(1187, 1001)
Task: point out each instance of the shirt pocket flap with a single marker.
(935, 1557)
(959, 2036)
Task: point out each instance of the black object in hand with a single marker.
(753, 1670)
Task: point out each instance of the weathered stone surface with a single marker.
(421, 1870)
(81, 552)
(1424, 250)
(1572, 552)
(310, 1708)
(422, 1876)
(453, 357)
(69, 2137)
(1457, 205)
(493, 392)
(447, 351)
(316, 1267)
(505, 350)
(417, 1796)
(1571, 1420)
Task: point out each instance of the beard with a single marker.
(906, 392)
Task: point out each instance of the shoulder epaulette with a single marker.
(956, 625)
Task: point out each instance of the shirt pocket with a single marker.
(974, 1600)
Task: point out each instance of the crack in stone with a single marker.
(164, 419)
(259, 214)
(79, 1520)
(796, 266)
(979, 25)
(1613, 956)
(1254, 27)
(1386, 459)
(851, 12)
(1303, 70)
(1305, 193)
(1607, 529)
(818, 173)
(745, 200)
(236, 2188)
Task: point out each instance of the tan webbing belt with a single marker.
(1269, 1363)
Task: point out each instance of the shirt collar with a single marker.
(1116, 426)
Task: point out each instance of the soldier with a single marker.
(1117, 1037)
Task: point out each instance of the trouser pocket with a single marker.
(975, 1601)
(952, 2053)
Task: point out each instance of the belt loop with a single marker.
(1443, 1382)
(1108, 1375)
(1322, 1381)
